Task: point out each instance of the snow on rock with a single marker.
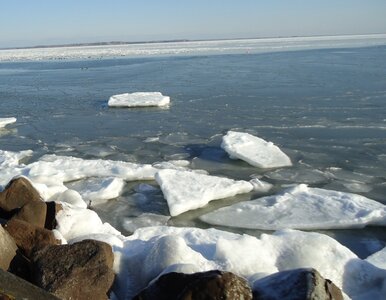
(254, 150)
(139, 99)
(162, 249)
(5, 121)
(185, 190)
(98, 190)
(301, 207)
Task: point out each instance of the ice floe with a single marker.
(5, 121)
(301, 207)
(378, 259)
(186, 190)
(139, 99)
(254, 150)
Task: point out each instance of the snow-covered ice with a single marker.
(254, 150)
(5, 121)
(378, 259)
(152, 251)
(301, 207)
(139, 99)
(186, 190)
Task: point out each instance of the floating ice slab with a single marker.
(163, 249)
(254, 150)
(301, 207)
(186, 190)
(6, 121)
(98, 190)
(378, 259)
(139, 99)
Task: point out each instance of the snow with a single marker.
(186, 190)
(139, 99)
(152, 251)
(378, 259)
(5, 121)
(254, 150)
(301, 207)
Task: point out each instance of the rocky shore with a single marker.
(35, 265)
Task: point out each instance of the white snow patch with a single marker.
(186, 190)
(139, 99)
(5, 121)
(301, 207)
(254, 150)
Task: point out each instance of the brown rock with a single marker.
(298, 284)
(17, 193)
(79, 271)
(8, 249)
(33, 212)
(29, 237)
(12, 287)
(212, 285)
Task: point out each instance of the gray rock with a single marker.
(12, 287)
(8, 249)
(79, 271)
(211, 285)
(298, 284)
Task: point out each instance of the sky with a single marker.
(48, 22)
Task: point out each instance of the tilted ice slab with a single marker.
(301, 207)
(139, 99)
(152, 251)
(378, 259)
(6, 121)
(254, 150)
(98, 190)
(186, 190)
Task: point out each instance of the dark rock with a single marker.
(79, 271)
(29, 237)
(298, 284)
(8, 249)
(52, 209)
(211, 285)
(17, 193)
(12, 287)
(20, 266)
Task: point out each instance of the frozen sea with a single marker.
(322, 100)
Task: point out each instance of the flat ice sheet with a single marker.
(254, 150)
(6, 121)
(186, 190)
(301, 207)
(139, 99)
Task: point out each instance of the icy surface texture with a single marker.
(139, 99)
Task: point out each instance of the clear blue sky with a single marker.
(33, 22)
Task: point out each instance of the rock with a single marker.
(206, 285)
(29, 237)
(298, 284)
(39, 213)
(8, 249)
(12, 287)
(17, 193)
(79, 271)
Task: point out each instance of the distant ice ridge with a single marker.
(301, 207)
(139, 99)
(242, 46)
(5, 121)
(254, 150)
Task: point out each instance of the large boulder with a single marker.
(12, 287)
(17, 193)
(8, 249)
(39, 213)
(79, 271)
(213, 285)
(298, 284)
(29, 237)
